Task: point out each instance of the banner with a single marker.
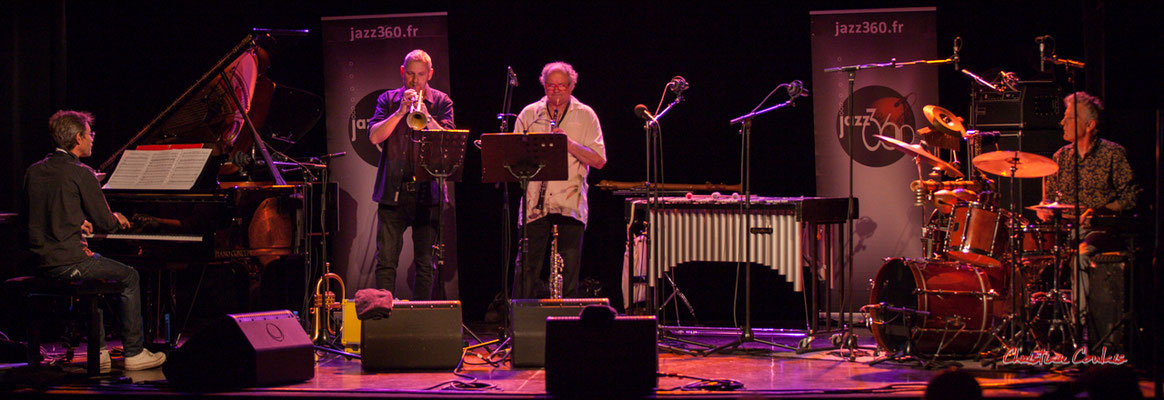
(362, 57)
(887, 101)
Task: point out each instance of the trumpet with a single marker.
(324, 303)
(417, 118)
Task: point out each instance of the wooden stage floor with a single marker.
(763, 371)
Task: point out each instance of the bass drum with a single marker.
(935, 307)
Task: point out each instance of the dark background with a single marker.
(125, 64)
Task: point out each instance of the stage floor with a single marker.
(764, 371)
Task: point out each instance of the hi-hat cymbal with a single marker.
(947, 131)
(1056, 206)
(1024, 165)
(922, 154)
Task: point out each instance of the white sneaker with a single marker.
(106, 362)
(144, 360)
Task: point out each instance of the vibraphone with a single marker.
(711, 228)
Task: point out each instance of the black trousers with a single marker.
(393, 220)
(527, 281)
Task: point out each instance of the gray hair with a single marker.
(65, 125)
(417, 55)
(1091, 105)
(559, 66)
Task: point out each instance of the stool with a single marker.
(29, 288)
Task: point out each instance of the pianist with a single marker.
(64, 199)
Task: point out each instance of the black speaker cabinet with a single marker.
(528, 318)
(239, 350)
(596, 356)
(418, 335)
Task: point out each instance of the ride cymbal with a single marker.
(1015, 164)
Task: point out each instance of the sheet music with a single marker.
(175, 169)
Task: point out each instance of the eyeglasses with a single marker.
(559, 86)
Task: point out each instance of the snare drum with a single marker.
(977, 234)
(1040, 240)
(944, 307)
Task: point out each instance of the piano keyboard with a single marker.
(140, 236)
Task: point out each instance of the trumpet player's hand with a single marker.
(406, 103)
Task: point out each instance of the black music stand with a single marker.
(442, 152)
(523, 157)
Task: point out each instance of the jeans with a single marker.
(527, 282)
(98, 267)
(393, 220)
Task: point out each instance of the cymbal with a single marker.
(922, 154)
(1055, 206)
(947, 131)
(1026, 165)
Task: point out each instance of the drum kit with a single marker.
(989, 279)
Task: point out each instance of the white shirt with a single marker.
(566, 197)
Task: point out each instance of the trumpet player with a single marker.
(560, 203)
(403, 201)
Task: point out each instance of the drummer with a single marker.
(1105, 186)
(1105, 176)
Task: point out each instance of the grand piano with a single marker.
(241, 212)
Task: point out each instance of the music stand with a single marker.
(442, 152)
(523, 157)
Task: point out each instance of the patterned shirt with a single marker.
(1104, 176)
(568, 197)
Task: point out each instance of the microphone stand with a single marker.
(746, 334)
(848, 340)
(652, 133)
(503, 117)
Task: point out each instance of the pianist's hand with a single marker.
(121, 220)
(144, 221)
(86, 227)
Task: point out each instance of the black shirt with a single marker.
(398, 151)
(62, 193)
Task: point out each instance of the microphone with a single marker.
(678, 85)
(1042, 41)
(957, 48)
(796, 89)
(332, 155)
(642, 112)
(512, 77)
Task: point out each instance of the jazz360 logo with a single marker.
(358, 128)
(878, 111)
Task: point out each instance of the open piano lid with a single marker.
(207, 113)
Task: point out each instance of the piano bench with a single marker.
(32, 290)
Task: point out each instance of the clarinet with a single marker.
(556, 265)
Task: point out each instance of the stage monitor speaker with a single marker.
(418, 335)
(599, 352)
(528, 319)
(241, 350)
